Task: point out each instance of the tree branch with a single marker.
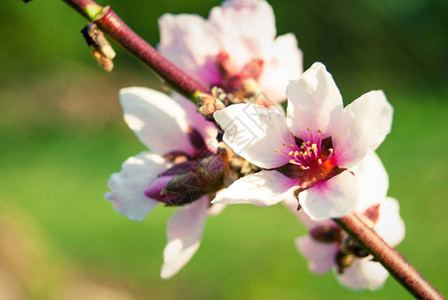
(390, 258)
(109, 22)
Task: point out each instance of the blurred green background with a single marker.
(62, 135)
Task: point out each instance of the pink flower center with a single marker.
(311, 154)
(232, 79)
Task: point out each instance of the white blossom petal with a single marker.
(363, 274)
(367, 121)
(190, 43)
(314, 102)
(184, 233)
(373, 181)
(216, 209)
(390, 226)
(128, 186)
(255, 132)
(264, 188)
(283, 65)
(320, 256)
(333, 198)
(206, 129)
(157, 120)
(246, 28)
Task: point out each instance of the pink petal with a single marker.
(367, 121)
(191, 44)
(157, 120)
(184, 233)
(363, 274)
(283, 65)
(128, 186)
(246, 28)
(333, 198)
(255, 132)
(314, 102)
(373, 181)
(264, 188)
(390, 226)
(320, 256)
(207, 129)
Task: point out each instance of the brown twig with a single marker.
(109, 22)
(390, 258)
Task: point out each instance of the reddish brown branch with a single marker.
(390, 258)
(117, 30)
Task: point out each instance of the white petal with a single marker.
(255, 132)
(314, 101)
(390, 226)
(184, 233)
(128, 186)
(333, 198)
(246, 28)
(373, 181)
(291, 204)
(216, 209)
(285, 64)
(191, 44)
(207, 129)
(320, 256)
(367, 121)
(157, 120)
(264, 188)
(363, 274)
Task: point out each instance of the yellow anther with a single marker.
(319, 161)
(292, 134)
(296, 153)
(319, 131)
(284, 144)
(292, 145)
(308, 143)
(290, 153)
(291, 161)
(314, 147)
(308, 129)
(277, 150)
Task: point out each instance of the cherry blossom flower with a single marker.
(310, 153)
(172, 130)
(235, 43)
(327, 247)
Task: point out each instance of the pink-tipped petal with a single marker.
(367, 121)
(191, 44)
(157, 120)
(255, 132)
(333, 198)
(246, 28)
(285, 64)
(390, 226)
(363, 274)
(264, 188)
(129, 185)
(320, 256)
(373, 181)
(184, 233)
(314, 102)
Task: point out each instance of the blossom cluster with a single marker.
(318, 158)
